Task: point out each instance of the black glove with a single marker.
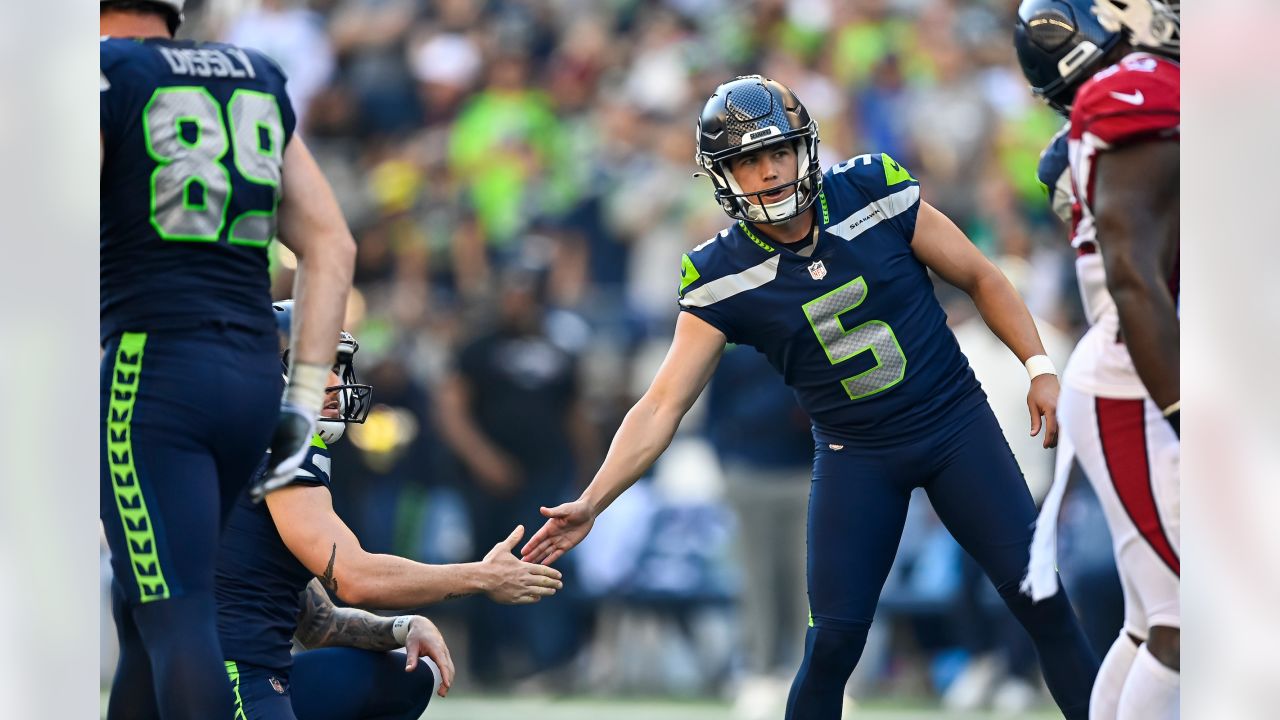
(289, 444)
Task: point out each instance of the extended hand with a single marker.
(425, 640)
(515, 582)
(568, 525)
(1042, 399)
(289, 445)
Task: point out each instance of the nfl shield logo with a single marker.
(817, 270)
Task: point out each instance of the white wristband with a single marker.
(307, 383)
(1039, 365)
(400, 628)
(1175, 407)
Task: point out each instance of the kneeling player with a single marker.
(278, 559)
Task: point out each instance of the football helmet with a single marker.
(174, 20)
(1150, 24)
(744, 115)
(354, 397)
(1060, 44)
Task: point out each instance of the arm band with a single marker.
(400, 628)
(307, 383)
(1039, 365)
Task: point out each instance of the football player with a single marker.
(827, 274)
(196, 144)
(1130, 455)
(280, 559)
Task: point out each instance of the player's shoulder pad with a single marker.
(116, 53)
(315, 467)
(876, 174)
(262, 63)
(1054, 159)
(722, 256)
(1137, 98)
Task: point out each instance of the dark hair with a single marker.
(171, 17)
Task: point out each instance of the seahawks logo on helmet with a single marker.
(1060, 44)
(354, 397)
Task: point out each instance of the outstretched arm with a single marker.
(644, 434)
(1136, 210)
(945, 249)
(324, 544)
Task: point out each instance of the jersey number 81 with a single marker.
(180, 211)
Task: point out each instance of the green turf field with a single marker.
(462, 707)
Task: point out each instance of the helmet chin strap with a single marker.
(774, 212)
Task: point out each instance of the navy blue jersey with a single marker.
(854, 329)
(193, 138)
(259, 582)
(1054, 173)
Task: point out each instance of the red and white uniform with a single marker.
(1129, 452)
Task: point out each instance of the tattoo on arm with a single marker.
(328, 579)
(323, 624)
(456, 595)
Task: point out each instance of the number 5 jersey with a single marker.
(854, 326)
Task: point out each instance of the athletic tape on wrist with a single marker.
(1175, 407)
(306, 386)
(400, 628)
(1038, 365)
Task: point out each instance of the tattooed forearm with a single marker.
(456, 595)
(323, 624)
(328, 579)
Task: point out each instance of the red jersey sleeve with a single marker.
(1134, 100)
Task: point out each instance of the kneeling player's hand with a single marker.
(1042, 401)
(289, 444)
(514, 582)
(425, 640)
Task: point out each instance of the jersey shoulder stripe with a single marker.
(879, 186)
(727, 286)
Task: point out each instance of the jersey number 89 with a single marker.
(191, 188)
(872, 336)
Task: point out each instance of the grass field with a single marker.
(522, 708)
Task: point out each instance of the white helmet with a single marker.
(1150, 24)
(174, 5)
(354, 398)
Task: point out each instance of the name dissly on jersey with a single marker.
(203, 62)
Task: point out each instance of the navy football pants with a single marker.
(186, 419)
(857, 509)
(334, 684)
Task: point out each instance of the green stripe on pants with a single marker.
(233, 674)
(139, 538)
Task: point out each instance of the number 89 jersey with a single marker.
(854, 328)
(193, 139)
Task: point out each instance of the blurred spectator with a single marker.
(295, 38)
(765, 448)
(510, 410)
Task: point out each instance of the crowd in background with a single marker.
(518, 177)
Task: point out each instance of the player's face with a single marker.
(766, 168)
(332, 407)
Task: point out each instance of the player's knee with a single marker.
(836, 648)
(1165, 643)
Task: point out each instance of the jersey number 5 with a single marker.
(191, 188)
(872, 336)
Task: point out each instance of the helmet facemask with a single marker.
(752, 206)
(1150, 24)
(354, 398)
(748, 114)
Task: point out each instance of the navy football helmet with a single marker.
(354, 398)
(744, 115)
(1060, 44)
